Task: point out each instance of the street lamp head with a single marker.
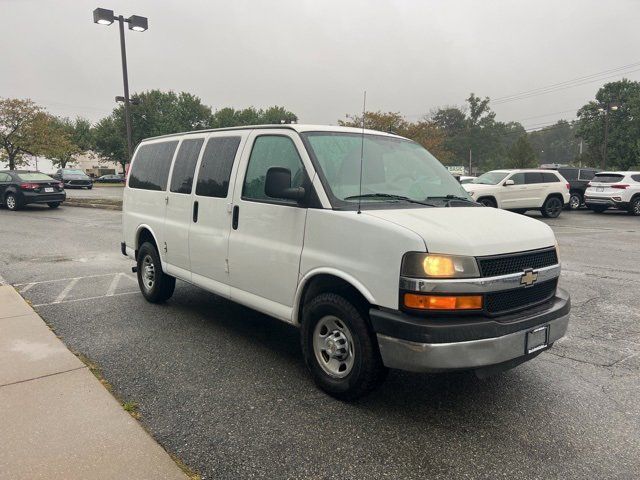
(614, 107)
(138, 23)
(600, 109)
(103, 16)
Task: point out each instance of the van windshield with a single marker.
(393, 169)
(491, 178)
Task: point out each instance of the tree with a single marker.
(230, 117)
(72, 138)
(24, 130)
(521, 154)
(381, 121)
(556, 144)
(623, 145)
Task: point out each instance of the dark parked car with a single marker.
(110, 179)
(74, 178)
(578, 179)
(20, 187)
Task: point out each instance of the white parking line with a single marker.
(84, 299)
(27, 287)
(68, 278)
(65, 292)
(113, 285)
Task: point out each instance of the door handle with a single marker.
(236, 214)
(195, 211)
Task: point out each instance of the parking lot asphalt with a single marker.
(225, 389)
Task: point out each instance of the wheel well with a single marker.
(326, 283)
(145, 235)
(490, 197)
(552, 195)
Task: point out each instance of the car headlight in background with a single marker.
(429, 265)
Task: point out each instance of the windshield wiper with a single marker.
(390, 197)
(451, 197)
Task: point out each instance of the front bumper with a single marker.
(421, 344)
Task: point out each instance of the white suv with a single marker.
(522, 190)
(619, 190)
(360, 238)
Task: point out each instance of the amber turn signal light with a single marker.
(436, 302)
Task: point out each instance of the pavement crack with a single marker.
(42, 376)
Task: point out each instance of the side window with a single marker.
(216, 165)
(550, 177)
(587, 174)
(636, 178)
(518, 178)
(185, 165)
(569, 173)
(533, 177)
(4, 177)
(271, 151)
(150, 168)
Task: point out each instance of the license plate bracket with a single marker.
(599, 189)
(48, 189)
(537, 339)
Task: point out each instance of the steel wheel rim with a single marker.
(333, 346)
(148, 272)
(574, 201)
(11, 202)
(554, 207)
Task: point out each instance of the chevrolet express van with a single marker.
(360, 238)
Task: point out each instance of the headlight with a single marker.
(421, 265)
(470, 193)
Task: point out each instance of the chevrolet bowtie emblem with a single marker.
(529, 277)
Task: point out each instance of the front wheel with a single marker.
(575, 201)
(551, 207)
(340, 348)
(634, 207)
(155, 285)
(53, 204)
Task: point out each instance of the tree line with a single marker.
(467, 135)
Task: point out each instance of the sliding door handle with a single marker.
(236, 214)
(195, 212)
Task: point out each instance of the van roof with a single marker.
(289, 126)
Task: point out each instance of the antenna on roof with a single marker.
(364, 113)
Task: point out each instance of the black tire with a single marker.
(597, 208)
(488, 202)
(551, 207)
(575, 201)
(13, 202)
(634, 207)
(155, 285)
(89, 188)
(366, 371)
(53, 204)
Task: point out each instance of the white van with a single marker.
(361, 238)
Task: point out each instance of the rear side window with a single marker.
(185, 165)
(587, 174)
(216, 165)
(607, 178)
(534, 177)
(550, 177)
(568, 173)
(4, 177)
(150, 169)
(636, 178)
(271, 151)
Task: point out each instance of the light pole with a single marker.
(136, 23)
(606, 108)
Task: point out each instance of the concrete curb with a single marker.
(57, 420)
(90, 203)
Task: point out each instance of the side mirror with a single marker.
(278, 185)
(509, 182)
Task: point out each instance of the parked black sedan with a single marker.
(111, 179)
(21, 187)
(72, 177)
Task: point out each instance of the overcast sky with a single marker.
(315, 57)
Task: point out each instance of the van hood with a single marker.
(475, 231)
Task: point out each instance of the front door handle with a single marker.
(195, 212)
(236, 214)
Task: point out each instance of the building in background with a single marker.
(89, 162)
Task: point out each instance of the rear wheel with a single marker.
(551, 208)
(12, 202)
(575, 201)
(53, 204)
(488, 202)
(340, 348)
(155, 285)
(634, 206)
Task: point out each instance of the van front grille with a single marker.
(519, 298)
(516, 262)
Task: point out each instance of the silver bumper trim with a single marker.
(425, 357)
(476, 285)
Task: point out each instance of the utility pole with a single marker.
(606, 108)
(470, 174)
